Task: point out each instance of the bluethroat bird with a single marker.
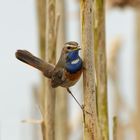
(65, 73)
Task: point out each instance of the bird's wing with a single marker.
(58, 77)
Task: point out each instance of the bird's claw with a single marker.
(84, 111)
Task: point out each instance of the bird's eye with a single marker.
(68, 48)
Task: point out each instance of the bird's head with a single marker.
(71, 50)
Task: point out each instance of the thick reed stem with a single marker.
(90, 120)
(61, 118)
(137, 74)
(51, 58)
(41, 12)
(100, 66)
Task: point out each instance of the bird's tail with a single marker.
(36, 62)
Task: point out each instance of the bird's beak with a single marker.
(77, 49)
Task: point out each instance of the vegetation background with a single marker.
(19, 30)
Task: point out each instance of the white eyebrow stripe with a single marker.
(75, 61)
(70, 45)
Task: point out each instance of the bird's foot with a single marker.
(85, 111)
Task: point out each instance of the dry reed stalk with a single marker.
(41, 11)
(119, 104)
(113, 54)
(114, 128)
(90, 120)
(100, 67)
(113, 73)
(61, 126)
(49, 119)
(61, 115)
(137, 75)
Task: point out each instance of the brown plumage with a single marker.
(58, 74)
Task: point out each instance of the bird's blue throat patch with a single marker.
(73, 62)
